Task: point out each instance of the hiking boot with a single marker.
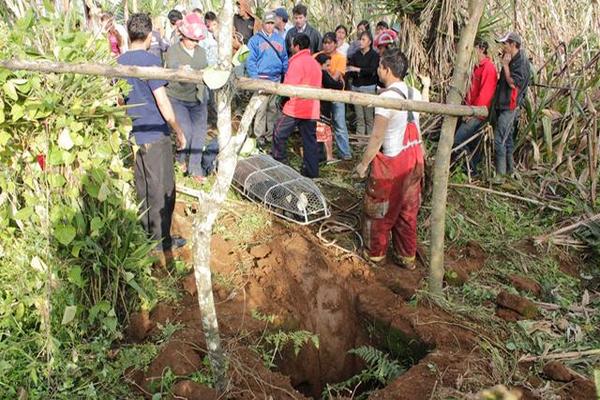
(409, 263)
(174, 242)
(374, 260)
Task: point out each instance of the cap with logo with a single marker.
(269, 17)
(512, 36)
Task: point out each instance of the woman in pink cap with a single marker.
(189, 99)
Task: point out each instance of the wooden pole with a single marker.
(368, 100)
(109, 71)
(363, 99)
(442, 158)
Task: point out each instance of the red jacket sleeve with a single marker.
(489, 79)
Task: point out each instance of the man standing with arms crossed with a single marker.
(151, 111)
(511, 90)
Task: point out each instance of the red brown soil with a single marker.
(558, 372)
(307, 287)
(519, 304)
(525, 284)
(462, 262)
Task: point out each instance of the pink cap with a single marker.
(192, 27)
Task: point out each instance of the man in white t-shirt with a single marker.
(395, 155)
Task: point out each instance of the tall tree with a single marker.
(442, 158)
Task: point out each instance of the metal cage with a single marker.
(280, 189)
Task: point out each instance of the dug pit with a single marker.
(305, 289)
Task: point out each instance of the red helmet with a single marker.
(385, 38)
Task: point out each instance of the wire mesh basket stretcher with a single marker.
(280, 189)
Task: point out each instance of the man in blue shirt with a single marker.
(267, 60)
(151, 113)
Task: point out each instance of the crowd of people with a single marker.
(292, 51)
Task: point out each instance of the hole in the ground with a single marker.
(334, 317)
(309, 291)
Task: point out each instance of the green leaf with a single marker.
(4, 138)
(17, 112)
(75, 276)
(10, 90)
(23, 213)
(56, 180)
(69, 314)
(103, 192)
(65, 234)
(55, 157)
(96, 224)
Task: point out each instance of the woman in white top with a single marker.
(341, 33)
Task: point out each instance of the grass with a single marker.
(504, 228)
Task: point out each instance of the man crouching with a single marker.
(393, 193)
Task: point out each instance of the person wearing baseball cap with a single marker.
(188, 99)
(510, 93)
(281, 21)
(267, 60)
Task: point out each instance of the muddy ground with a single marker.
(289, 274)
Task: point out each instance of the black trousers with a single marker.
(281, 132)
(155, 187)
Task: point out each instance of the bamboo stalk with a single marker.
(179, 75)
(442, 159)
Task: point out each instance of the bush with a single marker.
(74, 259)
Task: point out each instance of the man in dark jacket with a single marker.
(510, 93)
(301, 26)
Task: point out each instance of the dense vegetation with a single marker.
(74, 257)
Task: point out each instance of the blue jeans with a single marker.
(364, 115)
(503, 141)
(192, 117)
(284, 127)
(466, 131)
(340, 130)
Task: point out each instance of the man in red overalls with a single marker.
(395, 154)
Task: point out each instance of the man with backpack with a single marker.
(267, 60)
(395, 155)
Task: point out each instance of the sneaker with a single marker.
(498, 180)
(174, 243)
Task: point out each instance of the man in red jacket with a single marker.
(483, 86)
(303, 69)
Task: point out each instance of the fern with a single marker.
(380, 370)
(276, 341)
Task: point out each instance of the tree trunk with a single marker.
(442, 158)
